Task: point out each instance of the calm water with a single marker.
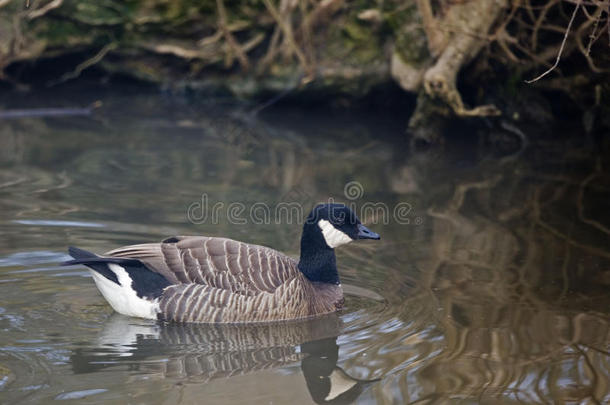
(490, 284)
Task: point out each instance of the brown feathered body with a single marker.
(219, 280)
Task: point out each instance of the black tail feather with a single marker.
(80, 253)
(82, 256)
(144, 281)
(97, 263)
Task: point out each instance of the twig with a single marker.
(239, 52)
(211, 39)
(501, 39)
(180, 52)
(290, 40)
(84, 65)
(594, 36)
(208, 56)
(581, 208)
(43, 10)
(586, 51)
(265, 62)
(563, 42)
(501, 30)
(306, 33)
(320, 15)
(538, 24)
(540, 59)
(592, 249)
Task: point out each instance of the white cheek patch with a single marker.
(332, 235)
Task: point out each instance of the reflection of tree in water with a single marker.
(199, 353)
(520, 268)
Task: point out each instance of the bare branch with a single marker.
(563, 43)
(233, 45)
(45, 9)
(84, 65)
(290, 40)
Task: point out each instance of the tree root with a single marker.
(440, 82)
(457, 38)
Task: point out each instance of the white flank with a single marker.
(332, 235)
(339, 384)
(122, 298)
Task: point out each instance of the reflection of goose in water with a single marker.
(327, 383)
(195, 353)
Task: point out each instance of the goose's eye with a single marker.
(339, 220)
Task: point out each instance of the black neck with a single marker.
(317, 260)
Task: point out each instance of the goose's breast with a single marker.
(329, 297)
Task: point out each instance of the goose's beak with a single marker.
(366, 233)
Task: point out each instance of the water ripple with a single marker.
(50, 222)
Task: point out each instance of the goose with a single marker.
(205, 279)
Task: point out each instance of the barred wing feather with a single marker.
(219, 263)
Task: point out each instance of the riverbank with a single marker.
(467, 60)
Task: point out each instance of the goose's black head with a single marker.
(327, 227)
(338, 224)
